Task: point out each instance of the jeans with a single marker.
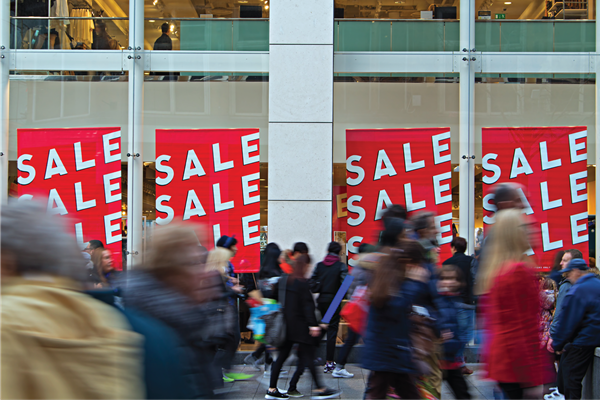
(465, 326)
(351, 340)
(332, 329)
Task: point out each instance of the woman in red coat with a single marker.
(514, 357)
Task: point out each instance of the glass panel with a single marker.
(402, 35)
(531, 36)
(536, 101)
(198, 100)
(50, 102)
(364, 36)
(207, 26)
(574, 36)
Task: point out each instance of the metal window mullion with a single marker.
(466, 125)
(135, 166)
(4, 97)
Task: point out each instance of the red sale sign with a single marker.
(551, 165)
(212, 176)
(397, 166)
(78, 172)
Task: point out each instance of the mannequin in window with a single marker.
(164, 41)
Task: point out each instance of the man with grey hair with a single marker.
(56, 340)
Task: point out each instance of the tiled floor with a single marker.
(351, 388)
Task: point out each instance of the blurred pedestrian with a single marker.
(362, 273)
(104, 273)
(301, 329)
(514, 357)
(164, 42)
(326, 280)
(270, 271)
(58, 342)
(174, 287)
(578, 332)
(451, 281)
(388, 349)
(466, 311)
(219, 260)
(557, 260)
(289, 256)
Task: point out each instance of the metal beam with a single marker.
(393, 62)
(217, 61)
(66, 60)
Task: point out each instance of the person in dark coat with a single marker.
(165, 361)
(578, 332)
(388, 348)
(326, 280)
(164, 42)
(302, 329)
(466, 311)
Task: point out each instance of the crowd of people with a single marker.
(74, 327)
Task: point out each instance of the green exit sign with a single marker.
(500, 16)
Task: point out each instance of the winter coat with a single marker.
(514, 354)
(299, 310)
(466, 264)
(453, 346)
(165, 363)
(580, 323)
(563, 288)
(387, 340)
(58, 342)
(328, 277)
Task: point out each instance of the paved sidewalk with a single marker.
(351, 388)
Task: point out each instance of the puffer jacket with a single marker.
(388, 347)
(59, 343)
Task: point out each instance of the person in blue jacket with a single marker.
(388, 352)
(578, 331)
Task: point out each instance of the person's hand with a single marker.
(314, 331)
(324, 326)
(447, 335)
(418, 274)
(536, 392)
(549, 346)
(233, 280)
(237, 288)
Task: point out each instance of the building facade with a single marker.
(303, 74)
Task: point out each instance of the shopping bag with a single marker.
(355, 312)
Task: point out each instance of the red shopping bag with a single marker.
(355, 312)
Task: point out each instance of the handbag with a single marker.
(356, 311)
(275, 330)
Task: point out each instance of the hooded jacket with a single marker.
(328, 277)
(60, 343)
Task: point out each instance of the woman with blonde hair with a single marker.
(510, 291)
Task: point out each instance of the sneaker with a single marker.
(342, 373)
(276, 394)
(327, 394)
(252, 361)
(238, 376)
(466, 371)
(227, 379)
(294, 393)
(329, 367)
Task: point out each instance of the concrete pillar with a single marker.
(301, 123)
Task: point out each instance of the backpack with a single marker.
(275, 330)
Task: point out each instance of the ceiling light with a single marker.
(172, 27)
(508, 3)
(152, 20)
(267, 7)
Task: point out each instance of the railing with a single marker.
(536, 35)
(443, 35)
(396, 35)
(198, 34)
